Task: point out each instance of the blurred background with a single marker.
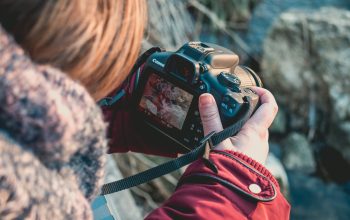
(301, 50)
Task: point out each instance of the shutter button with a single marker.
(254, 188)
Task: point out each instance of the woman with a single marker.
(52, 137)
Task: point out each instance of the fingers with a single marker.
(211, 119)
(266, 113)
(257, 124)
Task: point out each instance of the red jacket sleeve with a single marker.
(241, 189)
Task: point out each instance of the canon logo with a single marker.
(158, 63)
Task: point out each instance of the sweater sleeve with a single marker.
(240, 189)
(52, 140)
(28, 189)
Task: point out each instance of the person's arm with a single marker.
(242, 188)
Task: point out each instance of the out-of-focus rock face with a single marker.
(306, 64)
(169, 24)
(274, 165)
(268, 10)
(297, 154)
(315, 199)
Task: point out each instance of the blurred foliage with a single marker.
(223, 21)
(150, 195)
(234, 13)
(171, 23)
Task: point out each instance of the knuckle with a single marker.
(262, 133)
(275, 108)
(209, 116)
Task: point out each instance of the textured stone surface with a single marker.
(279, 125)
(306, 65)
(268, 10)
(297, 154)
(274, 165)
(312, 198)
(121, 204)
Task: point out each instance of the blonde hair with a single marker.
(95, 42)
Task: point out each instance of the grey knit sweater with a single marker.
(52, 140)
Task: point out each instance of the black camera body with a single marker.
(171, 83)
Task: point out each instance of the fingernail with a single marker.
(206, 99)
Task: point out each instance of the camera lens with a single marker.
(247, 77)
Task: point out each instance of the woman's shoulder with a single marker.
(51, 115)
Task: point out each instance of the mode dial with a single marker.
(229, 80)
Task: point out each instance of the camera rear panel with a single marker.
(171, 83)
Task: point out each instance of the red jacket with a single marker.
(241, 189)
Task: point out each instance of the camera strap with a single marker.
(203, 148)
(108, 101)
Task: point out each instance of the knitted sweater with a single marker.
(52, 140)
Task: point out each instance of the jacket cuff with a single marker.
(236, 171)
(254, 164)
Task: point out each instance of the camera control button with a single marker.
(226, 99)
(187, 140)
(192, 127)
(229, 80)
(202, 86)
(224, 106)
(249, 91)
(196, 113)
(196, 139)
(230, 110)
(229, 106)
(199, 131)
(203, 67)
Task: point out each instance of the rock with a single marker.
(169, 25)
(120, 205)
(268, 10)
(275, 148)
(331, 165)
(274, 165)
(297, 154)
(279, 124)
(313, 199)
(306, 65)
(340, 137)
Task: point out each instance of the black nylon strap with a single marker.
(108, 101)
(157, 171)
(168, 167)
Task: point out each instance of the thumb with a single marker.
(211, 119)
(209, 114)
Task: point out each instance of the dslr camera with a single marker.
(166, 98)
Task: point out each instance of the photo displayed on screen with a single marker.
(168, 103)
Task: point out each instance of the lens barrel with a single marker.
(247, 77)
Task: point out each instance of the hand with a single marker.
(252, 139)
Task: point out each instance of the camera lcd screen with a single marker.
(165, 102)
